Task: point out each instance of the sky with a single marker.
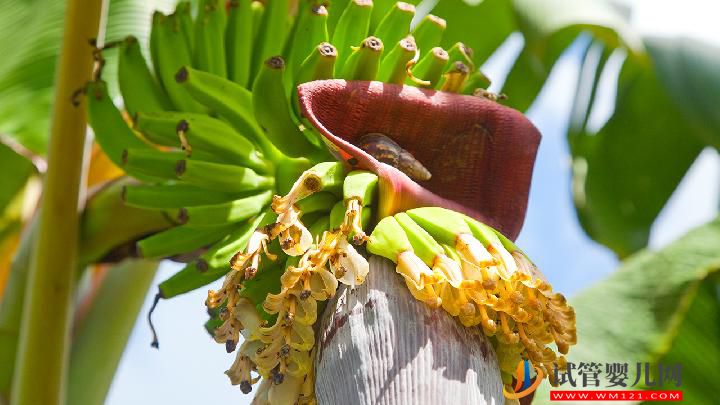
(188, 368)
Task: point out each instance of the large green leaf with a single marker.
(626, 172)
(549, 27)
(29, 42)
(15, 170)
(690, 71)
(657, 306)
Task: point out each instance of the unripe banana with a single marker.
(183, 11)
(429, 70)
(454, 79)
(179, 240)
(173, 53)
(216, 176)
(319, 64)
(200, 132)
(362, 186)
(476, 80)
(429, 32)
(272, 33)
(311, 30)
(169, 196)
(140, 90)
(150, 162)
(228, 99)
(364, 62)
(227, 212)
(111, 130)
(393, 68)
(209, 52)
(396, 23)
(273, 112)
(321, 202)
(423, 244)
(461, 53)
(352, 27)
(257, 8)
(239, 41)
(213, 264)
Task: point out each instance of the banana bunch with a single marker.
(211, 130)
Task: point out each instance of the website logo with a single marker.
(525, 384)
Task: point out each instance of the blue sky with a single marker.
(188, 369)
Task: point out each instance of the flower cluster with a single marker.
(319, 258)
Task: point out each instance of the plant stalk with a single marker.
(40, 375)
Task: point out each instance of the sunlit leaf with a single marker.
(549, 27)
(624, 174)
(657, 306)
(690, 71)
(29, 40)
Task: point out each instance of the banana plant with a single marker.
(279, 149)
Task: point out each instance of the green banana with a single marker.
(257, 8)
(352, 27)
(311, 30)
(239, 41)
(157, 20)
(140, 90)
(228, 99)
(214, 215)
(476, 80)
(318, 202)
(429, 32)
(441, 223)
(179, 240)
(215, 176)
(388, 239)
(209, 52)
(335, 10)
(200, 132)
(168, 196)
(380, 10)
(364, 62)
(213, 264)
(319, 64)
(325, 176)
(428, 71)
(150, 163)
(394, 66)
(360, 185)
(423, 244)
(272, 33)
(396, 23)
(183, 11)
(273, 112)
(454, 78)
(111, 130)
(172, 54)
(461, 53)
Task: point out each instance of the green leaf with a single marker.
(657, 306)
(29, 40)
(697, 345)
(549, 27)
(624, 174)
(689, 71)
(15, 170)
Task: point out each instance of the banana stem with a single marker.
(44, 332)
(98, 342)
